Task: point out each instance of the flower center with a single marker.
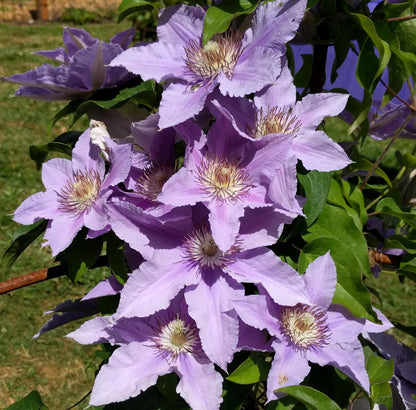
(80, 192)
(305, 326)
(151, 182)
(201, 250)
(222, 179)
(177, 337)
(219, 55)
(275, 121)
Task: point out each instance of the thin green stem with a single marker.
(382, 155)
(386, 191)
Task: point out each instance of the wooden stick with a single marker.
(30, 279)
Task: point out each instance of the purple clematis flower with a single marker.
(166, 342)
(275, 112)
(83, 68)
(229, 174)
(76, 192)
(386, 120)
(212, 279)
(155, 164)
(317, 331)
(238, 63)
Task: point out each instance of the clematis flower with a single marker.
(155, 163)
(229, 174)
(76, 192)
(166, 342)
(275, 112)
(316, 331)
(238, 63)
(386, 120)
(83, 68)
(211, 278)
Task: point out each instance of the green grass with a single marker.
(59, 368)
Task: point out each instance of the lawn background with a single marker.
(60, 369)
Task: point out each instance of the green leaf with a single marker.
(408, 59)
(365, 165)
(115, 257)
(252, 370)
(128, 7)
(409, 160)
(362, 117)
(312, 398)
(218, 18)
(398, 74)
(380, 372)
(388, 206)
(410, 330)
(337, 231)
(367, 65)
(336, 197)
(32, 401)
(349, 292)
(235, 395)
(404, 29)
(70, 108)
(22, 238)
(316, 185)
(355, 199)
(167, 385)
(39, 153)
(382, 46)
(302, 78)
(80, 255)
(63, 144)
(143, 93)
(400, 242)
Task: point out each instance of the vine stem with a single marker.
(398, 176)
(382, 155)
(402, 18)
(354, 399)
(397, 96)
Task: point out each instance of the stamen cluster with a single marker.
(201, 250)
(151, 182)
(305, 326)
(223, 179)
(277, 120)
(219, 55)
(80, 192)
(176, 337)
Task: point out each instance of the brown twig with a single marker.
(402, 18)
(354, 399)
(397, 96)
(30, 279)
